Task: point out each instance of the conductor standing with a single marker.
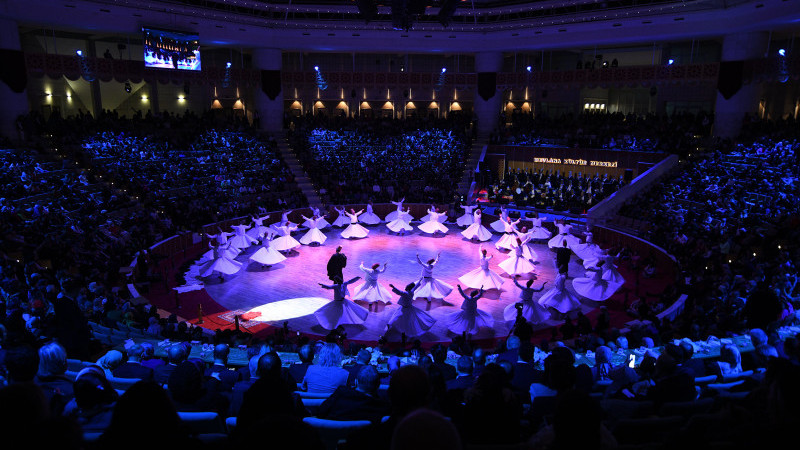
(336, 264)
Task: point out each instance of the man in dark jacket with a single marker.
(336, 264)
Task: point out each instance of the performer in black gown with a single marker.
(336, 264)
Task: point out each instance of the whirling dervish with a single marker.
(499, 225)
(470, 319)
(428, 287)
(595, 288)
(221, 264)
(527, 246)
(321, 224)
(532, 311)
(371, 291)
(266, 255)
(408, 318)
(354, 230)
(589, 252)
(610, 272)
(340, 311)
(393, 215)
(509, 235)
(517, 263)
(563, 235)
(537, 230)
(341, 220)
(259, 231)
(240, 239)
(477, 231)
(483, 276)
(466, 219)
(441, 217)
(285, 218)
(433, 225)
(313, 235)
(559, 297)
(369, 217)
(285, 242)
(221, 239)
(401, 224)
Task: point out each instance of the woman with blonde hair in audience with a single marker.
(326, 374)
(730, 360)
(110, 361)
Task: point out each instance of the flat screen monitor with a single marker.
(171, 50)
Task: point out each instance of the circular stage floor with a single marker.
(289, 291)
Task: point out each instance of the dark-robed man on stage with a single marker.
(337, 262)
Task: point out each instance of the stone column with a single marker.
(487, 111)
(728, 114)
(14, 103)
(270, 111)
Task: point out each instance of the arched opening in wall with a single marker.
(238, 108)
(365, 109)
(216, 104)
(526, 108)
(296, 109)
(433, 109)
(387, 110)
(342, 109)
(319, 108)
(411, 109)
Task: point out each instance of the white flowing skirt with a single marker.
(242, 241)
(284, 243)
(258, 233)
(469, 321)
(313, 235)
(220, 265)
(267, 256)
(611, 274)
(477, 231)
(356, 231)
(341, 221)
(562, 300)
(340, 312)
(398, 225)
(465, 220)
(594, 290)
(558, 241)
(508, 241)
(372, 294)
(369, 218)
(517, 266)
(392, 216)
(410, 320)
(432, 288)
(531, 311)
(232, 252)
(432, 226)
(480, 278)
(540, 233)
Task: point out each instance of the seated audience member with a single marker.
(478, 362)
(671, 384)
(253, 351)
(359, 403)
(425, 429)
(133, 368)
(110, 361)
(491, 413)
(306, 355)
(577, 423)
(392, 364)
(144, 417)
(363, 357)
(219, 368)
(269, 396)
(730, 361)
(237, 394)
(148, 357)
(695, 365)
(464, 378)
(176, 354)
(409, 391)
(525, 372)
(327, 374)
(94, 400)
(602, 366)
(439, 355)
(559, 374)
(57, 388)
(188, 392)
(21, 364)
(511, 353)
(751, 360)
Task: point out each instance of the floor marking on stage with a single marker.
(288, 309)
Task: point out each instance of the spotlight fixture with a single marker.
(78, 52)
(128, 87)
(782, 52)
(670, 61)
(316, 68)
(444, 69)
(228, 65)
(528, 68)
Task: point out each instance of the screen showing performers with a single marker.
(171, 50)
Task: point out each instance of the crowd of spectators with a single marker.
(615, 131)
(355, 160)
(551, 190)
